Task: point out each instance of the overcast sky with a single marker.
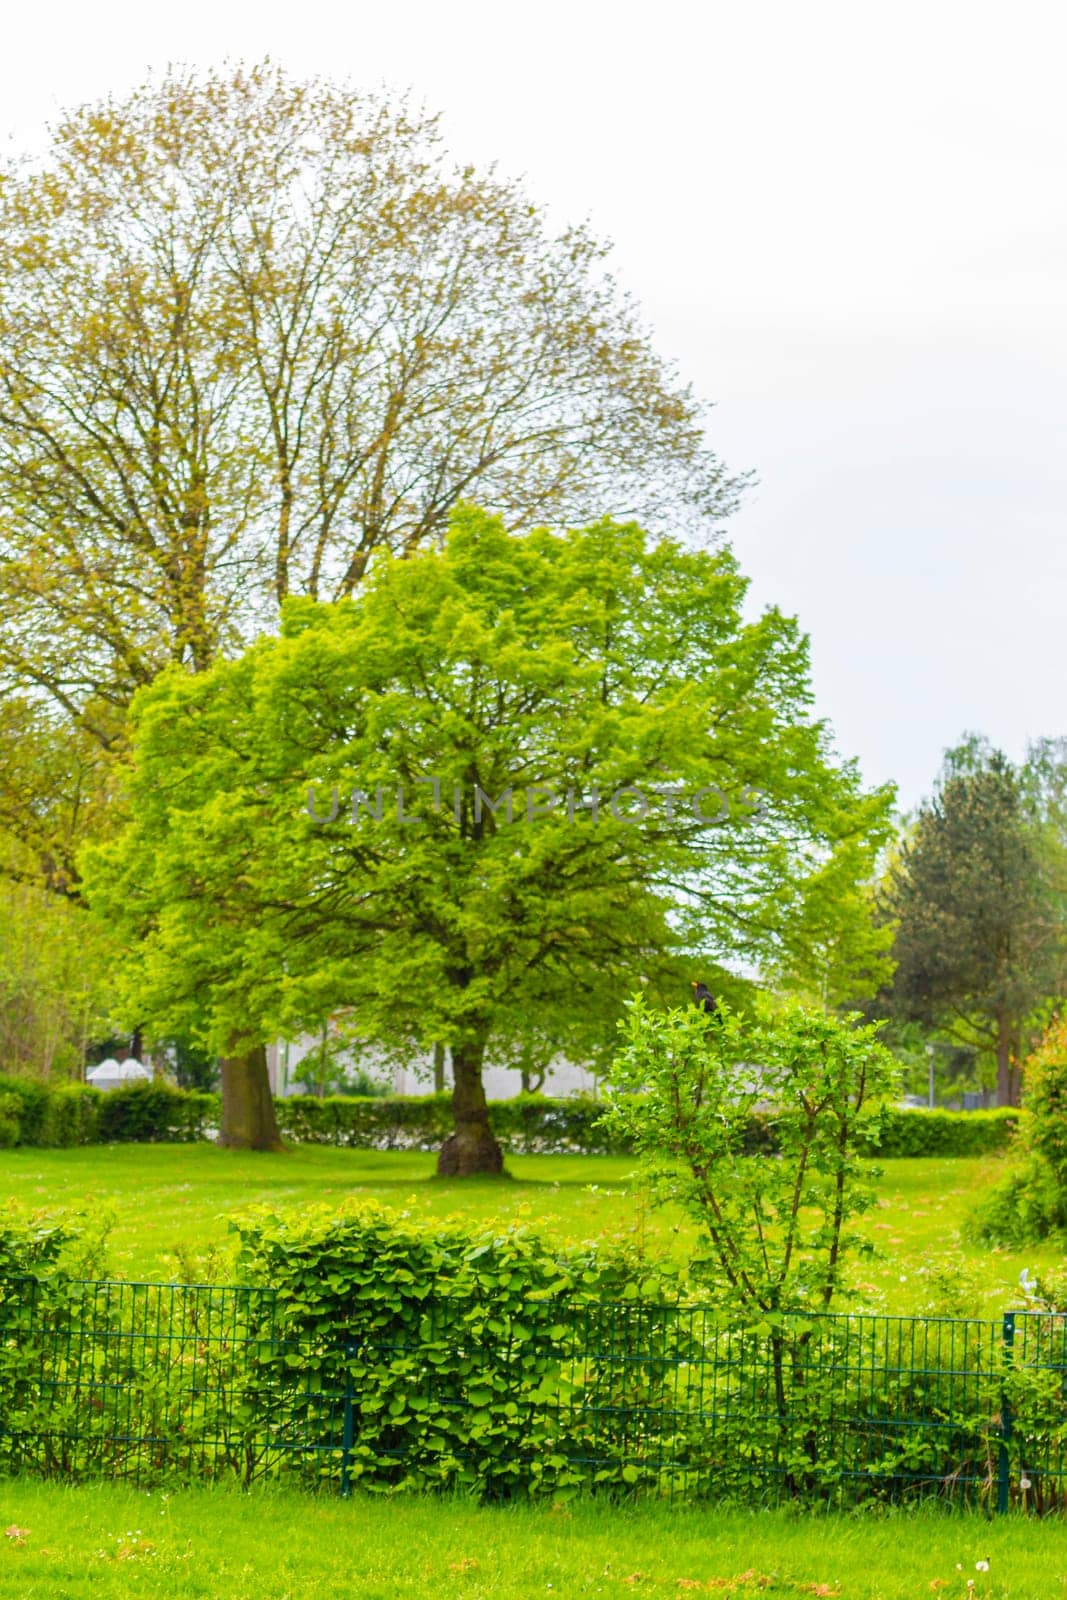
(848, 226)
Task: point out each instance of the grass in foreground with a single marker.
(172, 1202)
(105, 1543)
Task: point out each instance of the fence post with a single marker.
(1004, 1463)
(348, 1425)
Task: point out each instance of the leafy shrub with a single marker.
(25, 1102)
(1030, 1202)
(153, 1113)
(72, 1116)
(365, 1346)
(469, 1355)
(908, 1132)
(10, 1122)
(1025, 1206)
(773, 1233)
(30, 1244)
(416, 1122)
(1046, 1101)
(48, 1115)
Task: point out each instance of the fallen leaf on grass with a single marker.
(468, 1564)
(15, 1533)
(938, 1583)
(133, 1552)
(821, 1589)
(749, 1579)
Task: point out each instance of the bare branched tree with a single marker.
(253, 331)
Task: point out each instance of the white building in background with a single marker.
(501, 1083)
(113, 1074)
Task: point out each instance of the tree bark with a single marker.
(248, 1121)
(1007, 1084)
(439, 1069)
(473, 1147)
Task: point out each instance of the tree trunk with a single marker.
(1007, 1086)
(248, 1121)
(439, 1069)
(473, 1147)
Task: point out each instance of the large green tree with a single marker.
(977, 894)
(253, 332)
(665, 776)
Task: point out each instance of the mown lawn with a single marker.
(170, 1205)
(105, 1543)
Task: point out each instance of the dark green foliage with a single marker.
(1046, 1101)
(150, 1113)
(526, 1125)
(49, 1115)
(539, 1124)
(195, 1068)
(61, 1115)
(464, 1350)
(979, 910)
(23, 1111)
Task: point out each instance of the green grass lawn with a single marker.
(106, 1543)
(169, 1200)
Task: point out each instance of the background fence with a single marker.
(159, 1382)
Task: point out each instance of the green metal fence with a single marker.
(161, 1382)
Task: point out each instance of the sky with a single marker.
(847, 226)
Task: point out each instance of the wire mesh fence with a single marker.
(156, 1383)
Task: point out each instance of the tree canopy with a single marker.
(254, 330)
(670, 797)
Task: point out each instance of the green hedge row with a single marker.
(535, 1124)
(33, 1113)
(528, 1125)
(60, 1115)
(947, 1133)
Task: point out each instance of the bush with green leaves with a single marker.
(466, 1352)
(365, 1346)
(774, 1230)
(1030, 1202)
(57, 1116)
(913, 1132)
(155, 1113)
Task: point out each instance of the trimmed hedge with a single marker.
(527, 1125)
(536, 1124)
(33, 1113)
(60, 1115)
(907, 1132)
